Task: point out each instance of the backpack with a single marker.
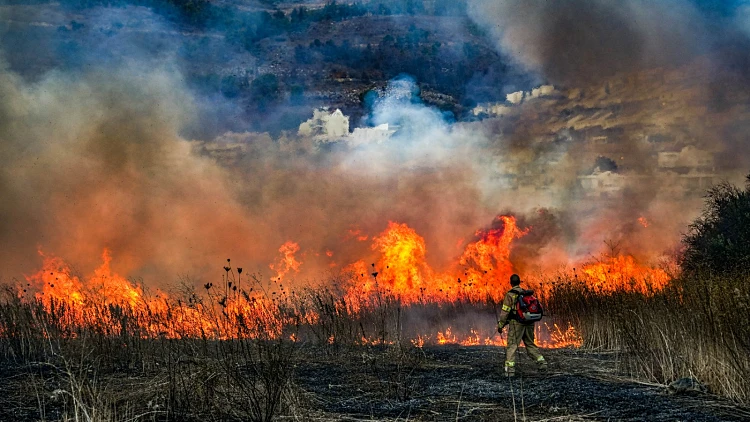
(527, 308)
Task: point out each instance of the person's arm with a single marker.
(505, 311)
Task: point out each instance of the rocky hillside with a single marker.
(265, 64)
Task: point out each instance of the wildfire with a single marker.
(622, 272)
(547, 335)
(446, 338)
(402, 265)
(480, 272)
(58, 284)
(356, 234)
(400, 277)
(287, 262)
(488, 259)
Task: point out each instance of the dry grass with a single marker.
(124, 363)
(105, 363)
(695, 327)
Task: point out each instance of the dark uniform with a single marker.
(517, 331)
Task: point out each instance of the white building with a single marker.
(688, 158)
(370, 135)
(325, 126)
(514, 99)
(605, 183)
(492, 109)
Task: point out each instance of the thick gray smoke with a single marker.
(582, 41)
(631, 71)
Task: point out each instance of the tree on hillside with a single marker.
(265, 90)
(718, 242)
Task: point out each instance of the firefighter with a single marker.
(517, 331)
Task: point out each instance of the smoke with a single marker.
(95, 160)
(627, 68)
(99, 152)
(95, 150)
(579, 42)
(424, 176)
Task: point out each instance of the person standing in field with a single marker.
(518, 328)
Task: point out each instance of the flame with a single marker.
(622, 272)
(643, 221)
(473, 339)
(446, 338)
(58, 284)
(402, 263)
(481, 271)
(287, 262)
(400, 275)
(357, 234)
(418, 342)
(546, 335)
(488, 259)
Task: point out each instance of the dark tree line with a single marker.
(448, 67)
(718, 242)
(206, 13)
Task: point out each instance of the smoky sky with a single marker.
(94, 160)
(607, 49)
(580, 42)
(98, 152)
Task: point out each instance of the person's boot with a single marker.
(541, 364)
(510, 371)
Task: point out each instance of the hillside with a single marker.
(266, 58)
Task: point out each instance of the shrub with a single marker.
(718, 242)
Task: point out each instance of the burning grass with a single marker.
(227, 351)
(217, 356)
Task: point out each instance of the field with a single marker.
(568, 142)
(367, 383)
(321, 355)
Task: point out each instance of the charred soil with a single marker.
(467, 383)
(436, 383)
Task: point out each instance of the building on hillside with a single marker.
(694, 183)
(602, 183)
(371, 135)
(500, 109)
(686, 160)
(325, 126)
(492, 109)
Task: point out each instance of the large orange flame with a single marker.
(481, 270)
(56, 282)
(478, 275)
(622, 272)
(402, 265)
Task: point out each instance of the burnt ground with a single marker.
(445, 383)
(466, 383)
